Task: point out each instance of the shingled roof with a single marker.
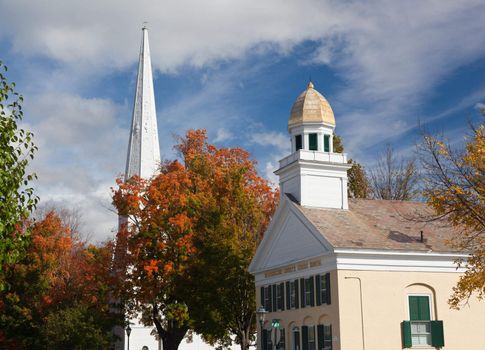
(381, 224)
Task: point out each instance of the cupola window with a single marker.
(326, 143)
(313, 142)
(298, 142)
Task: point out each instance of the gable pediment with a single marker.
(290, 238)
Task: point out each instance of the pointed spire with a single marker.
(143, 149)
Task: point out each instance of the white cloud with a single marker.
(79, 154)
(276, 139)
(388, 54)
(223, 135)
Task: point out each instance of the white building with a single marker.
(340, 274)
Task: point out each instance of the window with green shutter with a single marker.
(309, 292)
(313, 142)
(420, 331)
(326, 143)
(324, 334)
(298, 142)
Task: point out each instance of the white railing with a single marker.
(314, 156)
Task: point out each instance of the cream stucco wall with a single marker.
(384, 296)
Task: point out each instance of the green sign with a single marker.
(275, 323)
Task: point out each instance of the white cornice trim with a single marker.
(394, 260)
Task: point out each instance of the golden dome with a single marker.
(311, 107)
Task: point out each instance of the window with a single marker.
(267, 299)
(280, 291)
(292, 295)
(311, 338)
(326, 143)
(281, 343)
(327, 337)
(308, 292)
(324, 333)
(420, 316)
(313, 142)
(323, 289)
(269, 342)
(420, 330)
(298, 142)
(308, 337)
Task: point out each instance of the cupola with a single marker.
(312, 173)
(311, 123)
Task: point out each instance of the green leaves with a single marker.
(17, 199)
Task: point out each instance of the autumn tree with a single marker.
(454, 185)
(238, 208)
(191, 234)
(56, 283)
(17, 199)
(358, 183)
(393, 178)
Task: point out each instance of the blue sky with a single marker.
(234, 68)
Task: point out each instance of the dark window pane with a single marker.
(298, 143)
(312, 142)
(326, 143)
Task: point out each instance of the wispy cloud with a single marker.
(387, 56)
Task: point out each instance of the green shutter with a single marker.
(297, 290)
(312, 291)
(261, 302)
(304, 334)
(326, 143)
(270, 298)
(327, 285)
(419, 308)
(320, 336)
(264, 339)
(275, 300)
(437, 334)
(406, 334)
(318, 288)
(288, 296)
(302, 292)
(313, 142)
(282, 296)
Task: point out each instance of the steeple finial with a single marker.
(144, 149)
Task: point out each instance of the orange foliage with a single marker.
(170, 211)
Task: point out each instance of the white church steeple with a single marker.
(312, 173)
(143, 148)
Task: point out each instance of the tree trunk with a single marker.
(172, 336)
(171, 340)
(244, 340)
